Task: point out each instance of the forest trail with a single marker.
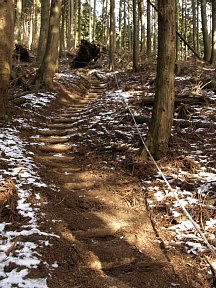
(106, 238)
(83, 210)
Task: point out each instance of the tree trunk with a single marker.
(213, 52)
(194, 3)
(34, 40)
(162, 115)
(18, 15)
(154, 48)
(185, 30)
(94, 21)
(45, 9)
(6, 46)
(75, 23)
(107, 26)
(79, 20)
(125, 27)
(120, 26)
(142, 24)
(129, 25)
(90, 22)
(198, 28)
(69, 25)
(205, 31)
(177, 28)
(112, 35)
(49, 64)
(62, 24)
(135, 37)
(148, 30)
(103, 21)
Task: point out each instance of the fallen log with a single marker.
(186, 99)
(178, 122)
(194, 124)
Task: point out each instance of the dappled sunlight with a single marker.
(55, 30)
(83, 202)
(3, 23)
(87, 153)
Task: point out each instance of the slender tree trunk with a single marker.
(135, 37)
(90, 21)
(120, 26)
(45, 8)
(162, 115)
(69, 25)
(112, 35)
(177, 27)
(103, 21)
(185, 31)
(75, 22)
(213, 51)
(6, 46)
(73, 19)
(148, 30)
(34, 41)
(142, 23)
(155, 32)
(182, 29)
(18, 22)
(125, 26)
(30, 34)
(79, 20)
(198, 26)
(107, 38)
(194, 3)
(62, 28)
(49, 64)
(207, 52)
(94, 21)
(129, 26)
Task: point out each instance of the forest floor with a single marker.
(79, 207)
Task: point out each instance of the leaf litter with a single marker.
(106, 126)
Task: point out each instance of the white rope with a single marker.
(196, 226)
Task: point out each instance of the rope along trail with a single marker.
(187, 214)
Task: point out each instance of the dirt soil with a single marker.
(107, 235)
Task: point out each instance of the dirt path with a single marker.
(106, 238)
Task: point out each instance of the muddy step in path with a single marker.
(106, 238)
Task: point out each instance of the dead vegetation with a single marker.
(8, 201)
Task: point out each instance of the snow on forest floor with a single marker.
(105, 125)
(17, 256)
(108, 127)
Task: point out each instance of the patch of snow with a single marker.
(23, 171)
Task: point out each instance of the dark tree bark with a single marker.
(148, 29)
(112, 35)
(79, 20)
(6, 47)
(49, 64)
(213, 52)
(142, 24)
(205, 31)
(135, 37)
(162, 115)
(45, 9)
